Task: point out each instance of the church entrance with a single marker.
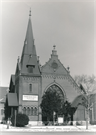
(54, 99)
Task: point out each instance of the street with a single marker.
(47, 130)
(46, 133)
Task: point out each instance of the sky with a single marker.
(68, 24)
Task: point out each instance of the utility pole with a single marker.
(54, 118)
(86, 96)
(87, 111)
(15, 118)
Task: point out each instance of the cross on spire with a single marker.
(54, 47)
(30, 12)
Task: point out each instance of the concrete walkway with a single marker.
(30, 128)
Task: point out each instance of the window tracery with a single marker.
(30, 111)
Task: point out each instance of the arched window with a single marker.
(28, 111)
(30, 87)
(31, 110)
(30, 68)
(24, 110)
(55, 88)
(35, 111)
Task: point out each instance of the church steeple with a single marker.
(29, 39)
(29, 57)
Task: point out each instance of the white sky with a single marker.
(69, 25)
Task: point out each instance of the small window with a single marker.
(28, 111)
(35, 111)
(31, 110)
(24, 110)
(30, 87)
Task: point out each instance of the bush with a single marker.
(21, 120)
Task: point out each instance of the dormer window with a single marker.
(30, 65)
(30, 68)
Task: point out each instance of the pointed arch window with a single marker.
(35, 111)
(24, 110)
(28, 111)
(30, 87)
(31, 110)
(58, 91)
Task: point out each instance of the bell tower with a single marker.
(28, 78)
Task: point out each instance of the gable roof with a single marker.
(49, 68)
(12, 81)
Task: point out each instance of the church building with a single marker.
(31, 81)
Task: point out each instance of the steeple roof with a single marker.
(29, 56)
(29, 36)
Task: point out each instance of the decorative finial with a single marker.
(54, 47)
(18, 59)
(30, 12)
(68, 69)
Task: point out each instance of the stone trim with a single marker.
(31, 78)
(63, 77)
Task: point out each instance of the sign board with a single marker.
(60, 119)
(30, 97)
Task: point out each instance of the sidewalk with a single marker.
(30, 128)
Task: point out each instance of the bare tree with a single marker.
(88, 86)
(88, 82)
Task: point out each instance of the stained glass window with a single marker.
(58, 91)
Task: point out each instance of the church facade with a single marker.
(31, 80)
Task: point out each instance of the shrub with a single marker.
(21, 120)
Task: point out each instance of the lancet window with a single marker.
(30, 111)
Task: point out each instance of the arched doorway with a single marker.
(80, 103)
(80, 113)
(54, 91)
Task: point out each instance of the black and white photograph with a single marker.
(47, 67)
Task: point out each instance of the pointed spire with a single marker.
(29, 57)
(29, 39)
